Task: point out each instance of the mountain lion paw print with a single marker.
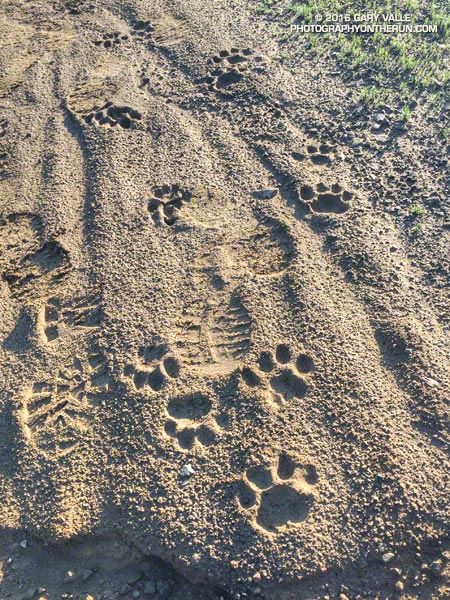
(229, 67)
(326, 200)
(91, 103)
(166, 203)
(278, 496)
(110, 115)
(283, 380)
(318, 155)
(154, 368)
(111, 39)
(190, 422)
(143, 30)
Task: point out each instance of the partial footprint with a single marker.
(166, 203)
(57, 319)
(190, 421)
(30, 265)
(278, 496)
(214, 337)
(165, 32)
(143, 30)
(153, 368)
(324, 199)
(91, 103)
(229, 67)
(109, 40)
(278, 376)
(267, 249)
(320, 155)
(57, 414)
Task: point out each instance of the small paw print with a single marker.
(325, 200)
(154, 368)
(278, 495)
(283, 380)
(229, 67)
(190, 421)
(166, 203)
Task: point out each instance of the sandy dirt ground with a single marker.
(224, 356)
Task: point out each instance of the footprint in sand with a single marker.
(109, 40)
(324, 199)
(278, 376)
(57, 319)
(320, 155)
(167, 202)
(153, 369)
(91, 103)
(57, 414)
(229, 67)
(278, 496)
(190, 421)
(30, 265)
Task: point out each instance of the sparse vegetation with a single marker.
(405, 114)
(411, 61)
(417, 210)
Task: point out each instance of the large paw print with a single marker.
(110, 115)
(283, 381)
(278, 495)
(166, 203)
(111, 39)
(229, 67)
(319, 155)
(153, 368)
(190, 421)
(143, 30)
(324, 199)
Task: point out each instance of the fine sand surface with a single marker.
(218, 345)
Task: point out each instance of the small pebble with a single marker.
(436, 567)
(266, 194)
(387, 557)
(399, 586)
(150, 587)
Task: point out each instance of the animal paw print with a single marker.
(58, 414)
(326, 200)
(277, 374)
(111, 39)
(278, 496)
(110, 115)
(29, 264)
(143, 30)
(229, 67)
(190, 422)
(55, 319)
(318, 155)
(154, 368)
(166, 203)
